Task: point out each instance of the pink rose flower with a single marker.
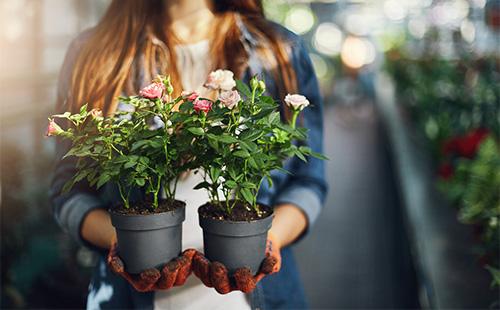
(153, 90)
(230, 98)
(202, 105)
(190, 95)
(296, 101)
(53, 129)
(220, 79)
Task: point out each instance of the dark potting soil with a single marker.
(146, 207)
(242, 212)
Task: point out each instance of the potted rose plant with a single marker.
(239, 139)
(134, 150)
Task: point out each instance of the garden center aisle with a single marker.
(357, 255)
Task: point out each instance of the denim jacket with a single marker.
(305, 187)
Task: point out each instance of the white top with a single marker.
(194, 65)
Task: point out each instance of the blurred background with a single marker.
(412, 125)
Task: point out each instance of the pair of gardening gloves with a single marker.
(212, 274)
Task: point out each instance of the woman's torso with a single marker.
(194, 65)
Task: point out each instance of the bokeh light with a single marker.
(395, 10)
(468, 31)
(300, 19)
(328, 39)
(357, 52)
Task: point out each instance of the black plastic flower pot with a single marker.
(235, 244)
(148, 241)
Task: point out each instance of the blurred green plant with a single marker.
(447, 97)
(475, 187)
(455, 104)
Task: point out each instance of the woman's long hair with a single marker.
(107, 63)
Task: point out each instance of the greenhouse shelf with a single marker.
(443, 249)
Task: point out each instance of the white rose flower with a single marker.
(296, 101)
(220, 79)
(229, 98)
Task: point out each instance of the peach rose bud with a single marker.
(220, 79)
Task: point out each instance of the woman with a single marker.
(134, 41)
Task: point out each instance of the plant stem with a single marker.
(294, 118)
(125, 200)
(155, 198)
(175, 187)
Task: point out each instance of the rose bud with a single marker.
(95, 113)
(189, 95)
(53, 129)
(202, 105)
(262, 86)
(296, 101)
(220, 79)
(153, 90)
(229, 98)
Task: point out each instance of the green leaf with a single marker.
(319, 155)
(214, 173)
(231, 184)
(269, 180)
(144, 160)
(232, 172)
(186, 106)
(138, 144)
(68, 185)
(253, 163)
(213, 143)
(268, 101)
(305, 149)
(201, 185)
(241, 153)
(251, 134)
(196, 131)
(301, 156)
(140, 182)
(227, 139)
(247, 195)
(103, 179)
(248, 185)
(273, 118)
(83, 109)
(129, 164)
(243, 88)
(249, 146)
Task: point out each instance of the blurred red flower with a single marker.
(467, 145)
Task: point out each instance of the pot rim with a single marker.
(110, 210)
(143, 222)
(235, 222)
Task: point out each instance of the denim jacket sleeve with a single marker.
(70, 208)
(306, 186)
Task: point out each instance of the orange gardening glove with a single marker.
(215, 274)
(174, 273)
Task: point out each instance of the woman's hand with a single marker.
(215, 274)
(174, 273)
